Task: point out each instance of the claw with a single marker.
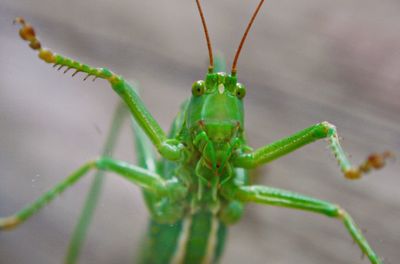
(19, 20)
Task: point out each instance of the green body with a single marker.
(200, 184)
(197, 238)
(197, 232)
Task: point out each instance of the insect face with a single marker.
(215, 117)
(218, 99)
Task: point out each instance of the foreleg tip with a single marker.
(9, 223)
(374, 161)
(27, 32)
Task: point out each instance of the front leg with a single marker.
(168, 148)
(322, 130)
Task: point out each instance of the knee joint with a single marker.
(341, 213)
(329, 129)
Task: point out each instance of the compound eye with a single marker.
(240, 91)
(198, 88)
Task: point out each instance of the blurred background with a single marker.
(305, 61)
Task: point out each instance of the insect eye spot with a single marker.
(198, 88)
(240, 91)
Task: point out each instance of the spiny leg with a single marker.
(146, 179)
(169, 148)
(322, 130)
(86, 216)
(278, 197)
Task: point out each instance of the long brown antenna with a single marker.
(244, 38)
(203, 21)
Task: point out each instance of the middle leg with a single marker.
(283, 198)
(146, 179)
(81, 229)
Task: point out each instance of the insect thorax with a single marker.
(212, 131)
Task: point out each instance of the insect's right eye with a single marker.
(198, 88)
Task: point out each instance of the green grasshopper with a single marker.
(201, 185)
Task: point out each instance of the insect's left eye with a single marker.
(198, 88)
(240, 90)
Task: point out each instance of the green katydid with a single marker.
(202, 185)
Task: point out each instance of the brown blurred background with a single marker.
(305, 61)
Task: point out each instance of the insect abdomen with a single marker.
(195, 239)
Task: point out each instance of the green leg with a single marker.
(322, 130)
(81, 229)
(168, 148)
(146, 159)
(278, 197)
(148, 180)
(143, 149)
